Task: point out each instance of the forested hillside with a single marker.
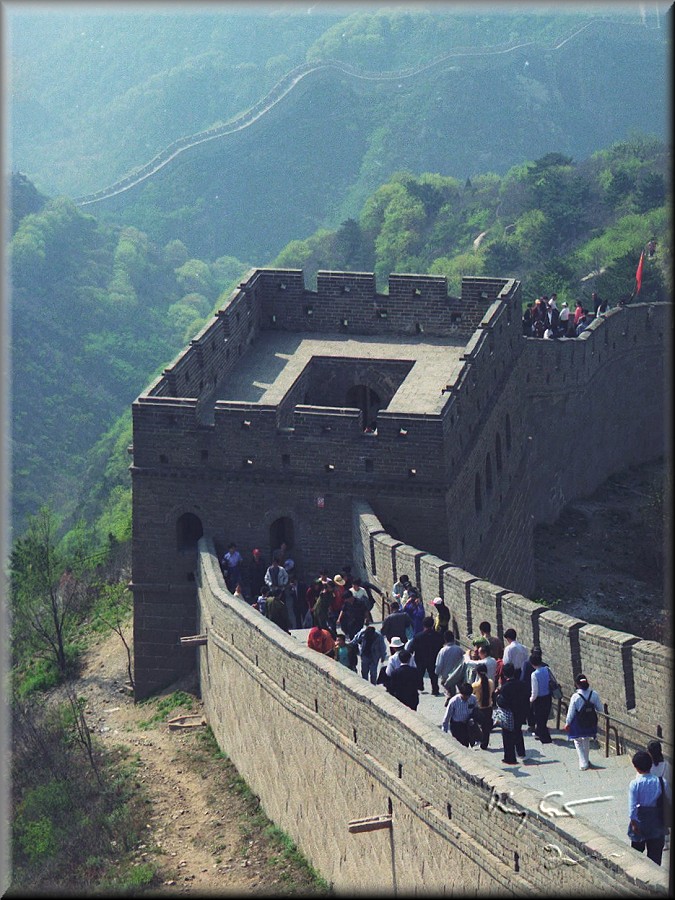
(510, 115)
(95, 310)
(550, 223)
(501, 89)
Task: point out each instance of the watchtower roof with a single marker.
(268, 371)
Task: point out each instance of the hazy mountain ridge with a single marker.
(347, 136)
(113, 292)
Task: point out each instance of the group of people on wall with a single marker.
(494, 685)
(544, 319)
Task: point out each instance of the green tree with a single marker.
(46, 591)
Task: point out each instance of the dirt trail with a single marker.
(194, 833)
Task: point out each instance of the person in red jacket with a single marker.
(321, 640)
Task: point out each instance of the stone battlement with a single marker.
(290, 405)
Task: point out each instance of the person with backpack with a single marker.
(649, 819)
(581, 723)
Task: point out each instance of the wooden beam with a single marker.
(374, 823)
(193, 640)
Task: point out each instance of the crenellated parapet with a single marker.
(290, 404)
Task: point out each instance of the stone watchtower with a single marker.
(292, 403)
(456, 430)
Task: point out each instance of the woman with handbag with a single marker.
(581, 723)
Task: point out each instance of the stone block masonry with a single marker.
(633, 677)
(263, 689)
(261, 430)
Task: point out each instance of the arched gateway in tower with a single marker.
(292, 404)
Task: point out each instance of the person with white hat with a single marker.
(441, 615)
(395, 647)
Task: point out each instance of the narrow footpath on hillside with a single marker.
(205, 833)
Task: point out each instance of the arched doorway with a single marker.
(188, 531)
(367, 400)
(282, 531)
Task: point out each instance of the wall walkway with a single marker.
(322, 747)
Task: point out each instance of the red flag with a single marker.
(638, 274)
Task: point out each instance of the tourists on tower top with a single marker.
(564, 319)
(403, 683)
(450, 665)
(527, 321)
(496, 645)
(397, 623)
(426, 645)
(231, 566)
(582, 325)
(373, 649)
(399, 587)
(581, 723)
(553, 317)
(441, 615)
(320, 640)
(539, 318)
(578, 312)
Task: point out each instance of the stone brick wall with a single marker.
(465, 485)
(262, 689)
(632, 676)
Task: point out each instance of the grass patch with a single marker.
(179, 699)
(75, 821)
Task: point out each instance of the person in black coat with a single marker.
(396, 623)
(426, 645)
(514, 695)
(404, 681)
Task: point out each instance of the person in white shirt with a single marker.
(399, 587)
(660, 766)
(514, 652)
(395, 647)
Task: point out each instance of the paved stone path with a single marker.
(554, 767)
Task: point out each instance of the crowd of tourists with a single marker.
(493, 686)
(544, 319)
